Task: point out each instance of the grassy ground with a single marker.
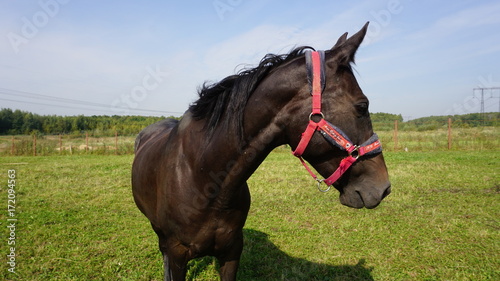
(77, 221)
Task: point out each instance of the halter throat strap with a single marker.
(315, 62)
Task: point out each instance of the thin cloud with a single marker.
(467, 19)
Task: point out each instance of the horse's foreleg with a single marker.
(167, 275)
(177, 262)
(230, 261)
(174, 258)
(174, 267)
(228, 270)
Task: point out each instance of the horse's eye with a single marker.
(362, 108)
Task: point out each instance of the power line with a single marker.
(30, 95)
(39, 96)
(65, 106)
(76, 107)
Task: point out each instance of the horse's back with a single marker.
(159, 129)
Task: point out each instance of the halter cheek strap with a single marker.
(316, 76)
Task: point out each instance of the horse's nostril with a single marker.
(386, 192)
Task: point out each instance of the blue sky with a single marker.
(71, 57)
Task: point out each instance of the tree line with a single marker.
(491, 119)
(19, 122)
(385, 121)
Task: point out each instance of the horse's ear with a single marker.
(345, 49)
(341, 40)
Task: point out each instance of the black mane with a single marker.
(230, 95)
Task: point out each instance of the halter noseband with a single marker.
(315, 62)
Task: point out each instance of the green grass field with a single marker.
(76, 220)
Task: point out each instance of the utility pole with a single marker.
(482, 101)
(482, 97)
(492, 92)
(482, 89)
(497, 96)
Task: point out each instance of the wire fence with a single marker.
(395, 136)
(439, 135)
(85, 143)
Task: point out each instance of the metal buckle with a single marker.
(355, 152)
(319, 182)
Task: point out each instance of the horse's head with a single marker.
(343, 105)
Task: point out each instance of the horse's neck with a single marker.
(228, 160)
(236, 163)
(224, 160)
(227, 153)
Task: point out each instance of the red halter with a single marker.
(315, 67)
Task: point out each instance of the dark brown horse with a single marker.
(189, 176)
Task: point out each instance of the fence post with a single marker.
(34, 144)
(60, 144)
(395, 135)
(116, 142)
(86, 142)
(449, 133)
(12, 146)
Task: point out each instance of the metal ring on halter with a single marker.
(355, 152)
(320, 114)
(321, 189)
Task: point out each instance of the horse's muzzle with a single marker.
(368, 198)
